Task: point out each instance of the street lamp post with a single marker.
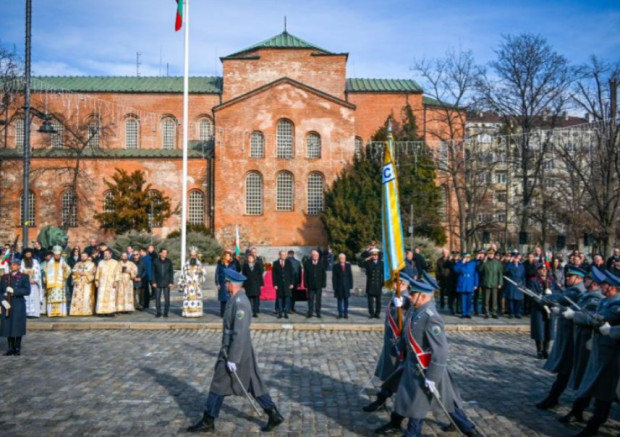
(46, 128)
(26, 192)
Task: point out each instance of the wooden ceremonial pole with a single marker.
(399, 310)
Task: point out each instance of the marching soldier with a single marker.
(391, 357)
(13, 287)
(541, 323)
(582, 336)
(236, 371)
(600, 380)
(561, 358)
(426, 383)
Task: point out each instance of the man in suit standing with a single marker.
(283, 284)
(296, 264)
(315, 279)
(374, 283)
(342, 281)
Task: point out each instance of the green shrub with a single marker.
(209, 250)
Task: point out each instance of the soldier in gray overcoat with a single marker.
(236, 361)
(561, 357)
(13, 287)
(427, 348)
(600, 379)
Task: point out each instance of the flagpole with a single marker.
(185, 134)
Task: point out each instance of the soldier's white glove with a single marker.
(9, 290)
(6, 305)
(568, 314)
(430, 385)
(604, 330)
(555, 310)
(231, 366)
(548, 291)
(397, 301)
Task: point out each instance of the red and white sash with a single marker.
(424, 358)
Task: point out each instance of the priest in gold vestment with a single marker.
(83, 300)
(124, 292)
(106, 279)
(56, 273)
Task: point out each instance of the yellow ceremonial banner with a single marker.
(391, 224)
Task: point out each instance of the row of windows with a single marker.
(196, 207)
(284, 137)
(285, 192)
(132, 132)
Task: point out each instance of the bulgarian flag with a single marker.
(179, 20)
(5, 257)
(237, 242)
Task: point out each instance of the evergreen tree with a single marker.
(131, 204)
(352, 213)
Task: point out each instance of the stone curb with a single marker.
(146, 326)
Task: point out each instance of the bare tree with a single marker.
(528, 80)
(593, 157)
(11, 70)
(465, 167)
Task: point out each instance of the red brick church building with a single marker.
(267, 138)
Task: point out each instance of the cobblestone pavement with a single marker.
(139, 383)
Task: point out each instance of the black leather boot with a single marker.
(572, 416)
(378, 403)
(11, 348)
(17, 346)
(206, 424)
(392, 427)
(539, 354)
(545, 352)
(547, 403)
(588, 431)
(275, 418)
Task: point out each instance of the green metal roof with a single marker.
(429, 101)
(382, 86)
(282, 41)
(10, 153)
(127, 84)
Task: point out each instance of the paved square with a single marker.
(127, 383)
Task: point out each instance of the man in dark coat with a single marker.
(315, 279)
(561, 357)
(342, 282)
(283, 280)
(252, 285)
(13, 287)
(442, 272)
(236, 368)
(296, 264)
(163, 279)
(374, 283)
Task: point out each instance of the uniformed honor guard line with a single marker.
(535, 296)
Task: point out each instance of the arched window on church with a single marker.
(285, 191)
(313, 146)
(205, 128)
(316, 183)
(132, 132)
(257, 145)
(56, 139)
(196, 212)
(358, 148)
(69, 209)
(284, 139)
(169, 133)
(254, 193)
(94, 132)
(32, 209)
(19, 133)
